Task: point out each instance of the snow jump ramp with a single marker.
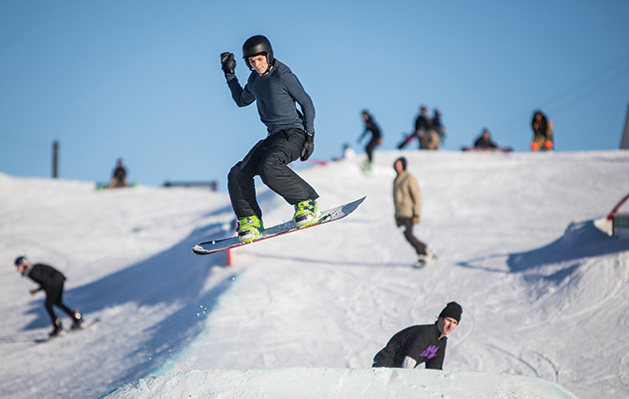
(325, 383)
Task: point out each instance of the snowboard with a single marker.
(337, 213)
(86, 325)
(105, 186)
(407, 139)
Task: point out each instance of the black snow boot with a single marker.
(57, 328)
(77, 320)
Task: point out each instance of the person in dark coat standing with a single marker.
(421, 344)
(423, 125)
(542, 132)
(51, 281)
(376, 137)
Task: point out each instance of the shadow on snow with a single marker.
(580, 240)
(173, 276)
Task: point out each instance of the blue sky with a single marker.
(141, 80)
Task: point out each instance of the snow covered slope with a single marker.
(544, 293)
(313, 383)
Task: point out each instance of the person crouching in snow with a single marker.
(51, 281)
(421, 344)
(290, 136)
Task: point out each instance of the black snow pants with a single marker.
(373, 143)
(54, 295)
(269, 159)
(419, 246)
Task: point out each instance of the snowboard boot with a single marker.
(77, 320)
(57, 328)
(249, 228)
(306, 213)
(427, 259)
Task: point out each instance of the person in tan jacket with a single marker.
(408, 204)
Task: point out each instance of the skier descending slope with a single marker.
(290, 136)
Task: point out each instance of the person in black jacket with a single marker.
(51, 281)
(376, 137)
(484, 142)
(119, 176)
(420, 344)
(423, 125)
(542, 132)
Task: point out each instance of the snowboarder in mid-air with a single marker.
(290, 136)
(51, 281)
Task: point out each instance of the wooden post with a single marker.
(624, 143)
(55, 159)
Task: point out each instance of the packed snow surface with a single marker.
(544, 291)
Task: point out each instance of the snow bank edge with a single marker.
(339, 383)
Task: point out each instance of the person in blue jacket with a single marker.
(421, 344)
(290, 136)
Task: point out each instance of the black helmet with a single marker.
(257, 45)
(19, 260)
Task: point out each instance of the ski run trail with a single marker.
(544, 292)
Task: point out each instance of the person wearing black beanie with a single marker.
(421, 344)
(452, 310)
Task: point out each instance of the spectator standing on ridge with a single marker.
(376, 137)
(422, 128)
(421, 344)
(51, 281)
(542, 132)
(290, 136)
(408, 203)
(439, 132)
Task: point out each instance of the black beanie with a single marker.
(452, 310)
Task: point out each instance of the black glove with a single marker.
(228, 63)
(308, 147)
